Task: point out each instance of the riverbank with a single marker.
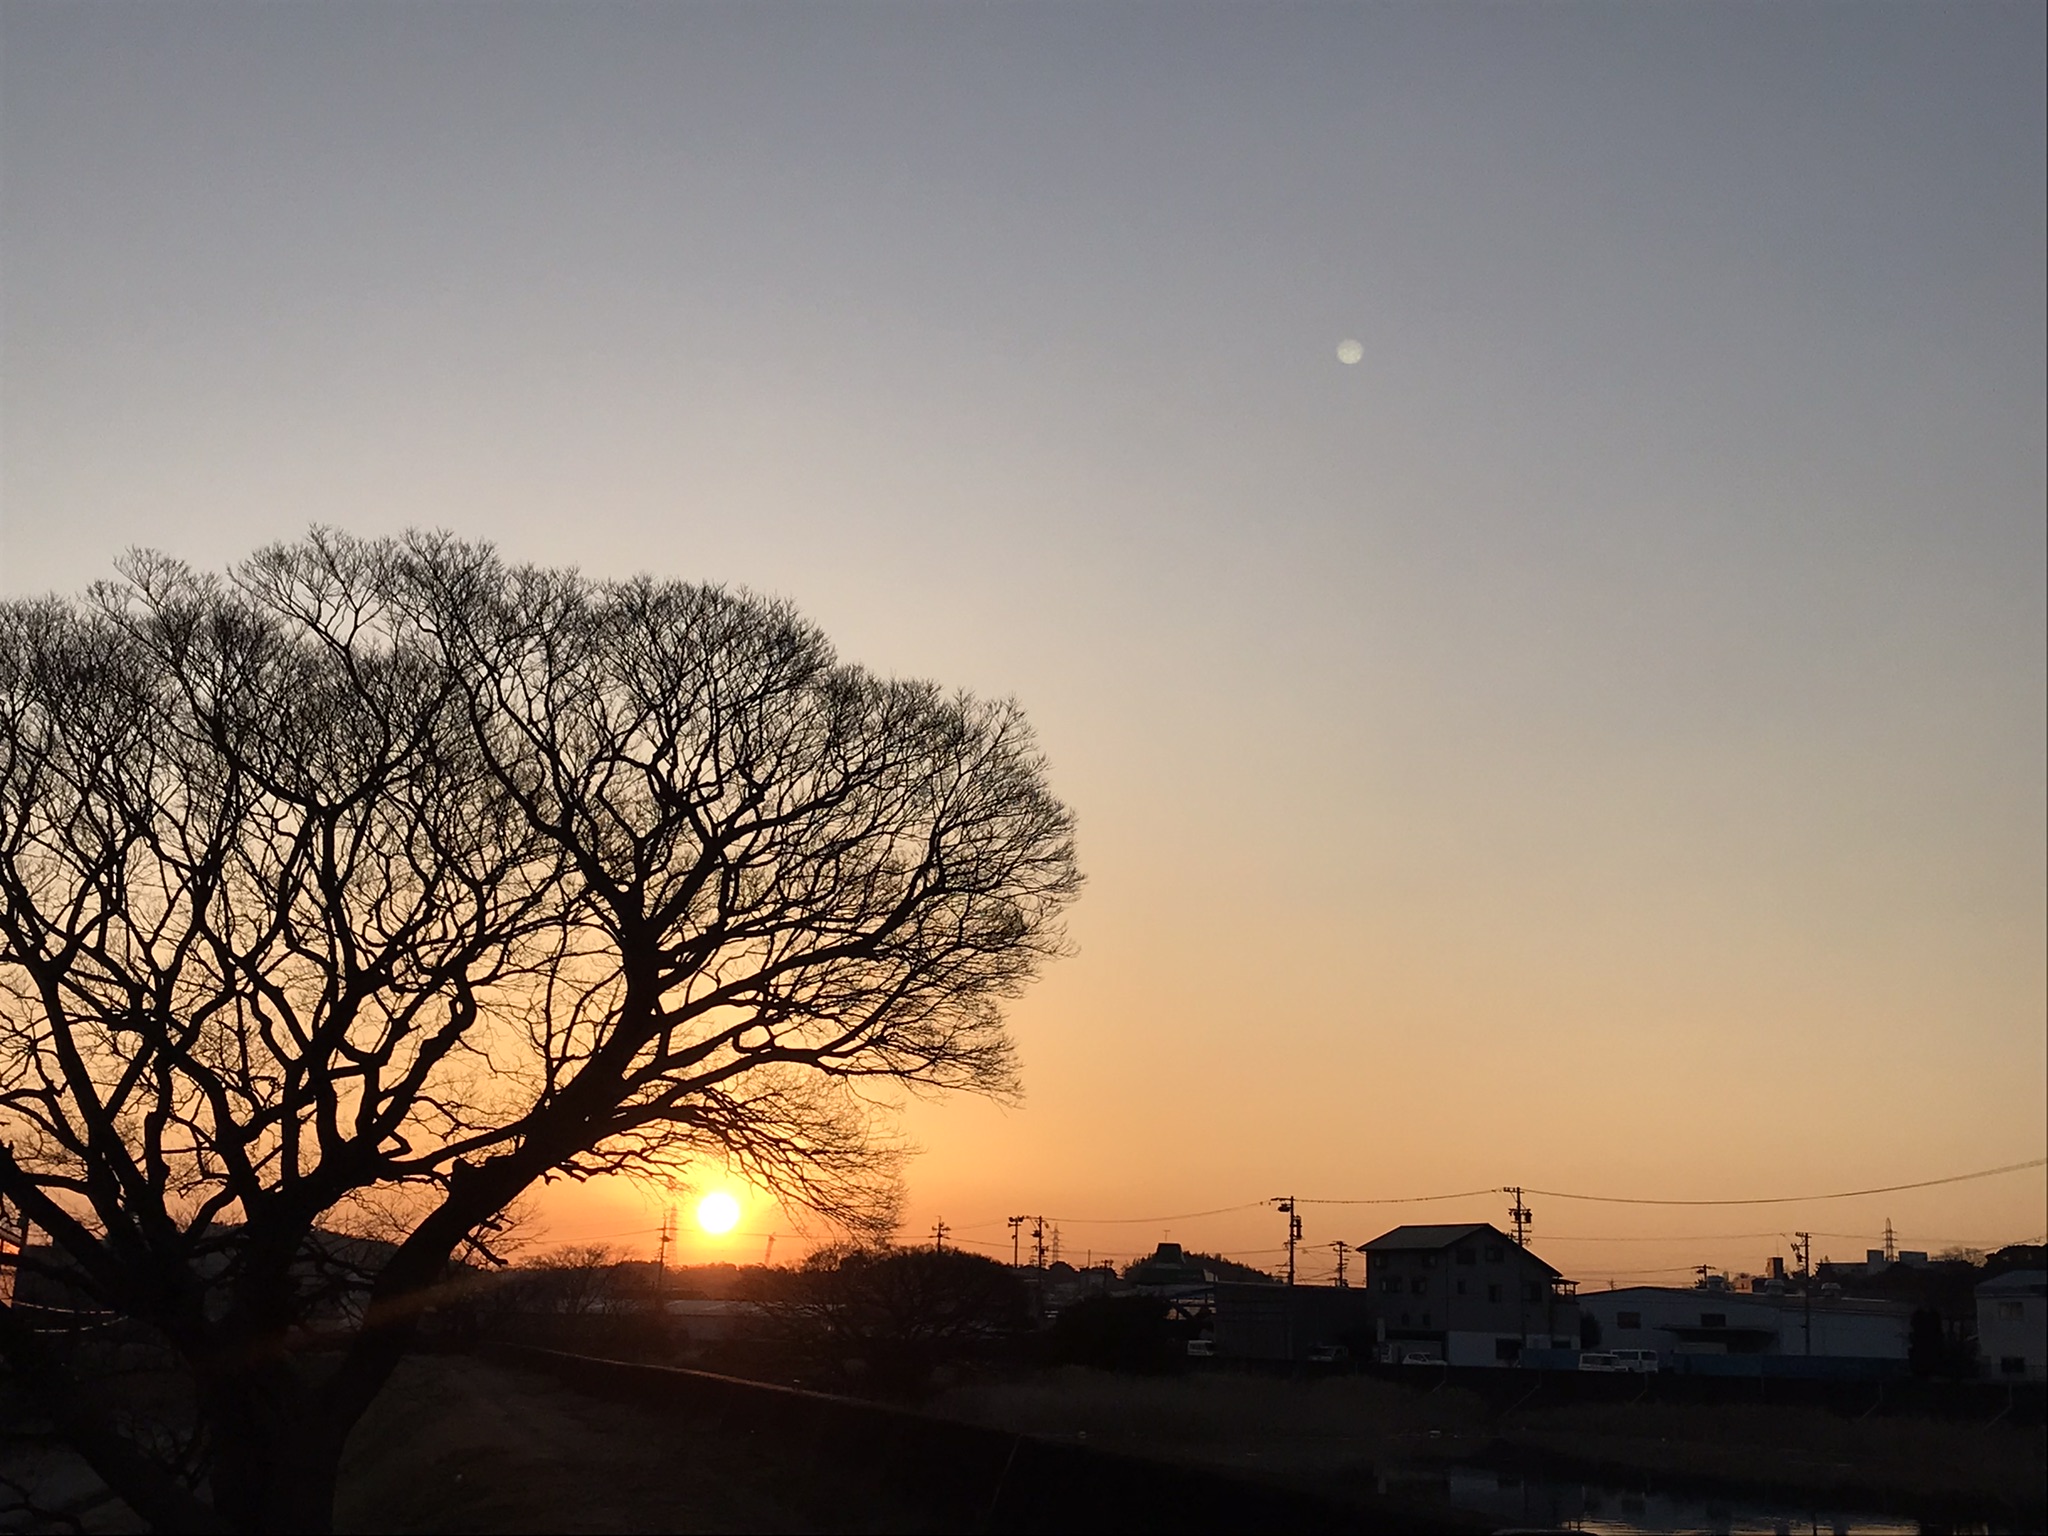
(538, 1440)
(1340, 1434)
(458, 1444)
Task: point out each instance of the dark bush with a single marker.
(1119, 1333)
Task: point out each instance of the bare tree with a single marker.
(385, 877)
(899, 1311)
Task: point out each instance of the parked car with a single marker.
(1595, 1360)
(1202, 1349)
(1328, 1354)
(1421, 1357)
(1642, 1361)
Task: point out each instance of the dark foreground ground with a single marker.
(465, 1444)
(458, 1444)
(534, 1443)
(594, 1447)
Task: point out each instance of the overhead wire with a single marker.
(1463, 1194)
(1553, 1194)
(1840, 1194)
(1133, 1221)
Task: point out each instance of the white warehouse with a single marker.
(1698, 1320)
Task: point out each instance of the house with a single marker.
(2012, 1325)
(1713, 1319)
(1466, 1295)
(1168, 1268)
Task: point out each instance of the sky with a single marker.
(1594, 742)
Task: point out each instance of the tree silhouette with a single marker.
(899, 1311)
(385, 877)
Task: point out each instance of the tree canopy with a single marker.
(373, 881)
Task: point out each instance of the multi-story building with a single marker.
(1466, 1295)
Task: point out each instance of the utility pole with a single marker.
(1802, 1249)
(1701, 1271)
(1343, 1283)
(1016, 1224)
(1521, 1216)
(1038, 1242)
(1286, 1204)
(939, 1236)
(668, 1234)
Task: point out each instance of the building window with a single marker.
(1532, 1292)
(1493, 1293)
(1493, 1253)
(1426, 1322)
(1391, 1285)
(1419, 1286)
(1628, 1319)
(2012, 1365)
(1467, 1256)
(1713, 1319)
(1429, 1261)
(1461, 1287)
(2012, 1312)
(1404, 1319)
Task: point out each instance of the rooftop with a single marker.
(2016, 1282)
(1402, 1238)
(1435, 1239)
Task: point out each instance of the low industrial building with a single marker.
(1290, 1322)
(1712, 1319)
(1465, 1295)
(2012, 1325)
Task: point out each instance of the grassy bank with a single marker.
(500, 1444)
(457, 1444)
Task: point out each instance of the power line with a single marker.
(1723, 1237)
(1844, 1194)
(1131, 1221)
(1553, 1194)
(1463, 1194)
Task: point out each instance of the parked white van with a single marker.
(1642, 1361)
(1594, 1360)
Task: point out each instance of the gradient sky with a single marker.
(1595, 742)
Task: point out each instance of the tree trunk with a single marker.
(276, 1457)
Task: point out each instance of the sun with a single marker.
(718, 1213)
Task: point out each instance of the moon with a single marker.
(1350, 350)
(718, 1213)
